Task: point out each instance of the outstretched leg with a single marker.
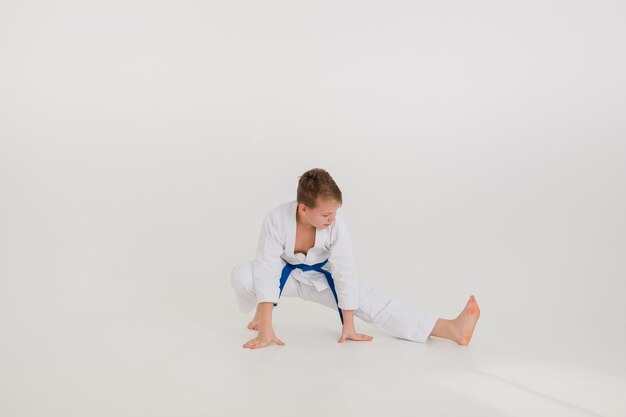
(401, 320)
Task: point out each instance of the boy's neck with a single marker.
(302, 223)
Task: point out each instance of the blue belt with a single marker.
(317, 267)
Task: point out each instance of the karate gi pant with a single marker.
(384, 313)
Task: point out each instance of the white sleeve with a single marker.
(342, 266)
(268, 264)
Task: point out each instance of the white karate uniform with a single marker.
(258, 280)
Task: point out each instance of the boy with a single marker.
(305, 251)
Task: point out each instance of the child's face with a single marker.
(323, 215)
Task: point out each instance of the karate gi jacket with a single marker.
(276, 247)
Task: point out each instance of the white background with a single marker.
(480, 148)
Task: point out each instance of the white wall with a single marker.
(480, 147)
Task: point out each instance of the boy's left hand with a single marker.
(350, 333)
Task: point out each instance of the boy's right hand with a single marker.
(265, 337)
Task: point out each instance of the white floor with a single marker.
(141, 355)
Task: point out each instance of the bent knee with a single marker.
(241, 277)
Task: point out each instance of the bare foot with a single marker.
(464, 324)
(254, 324)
